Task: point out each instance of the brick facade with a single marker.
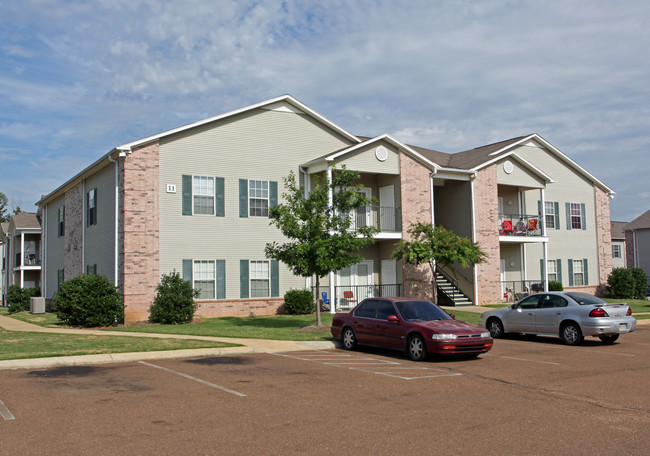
(74, 227)
(139, 231)
(603, 238)
(416, 207)
(239, 307)
(486, 209)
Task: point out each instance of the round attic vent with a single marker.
(381, 153)
(508, 167)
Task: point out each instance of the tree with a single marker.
(321, 236)
(4, 216)
(437, 246)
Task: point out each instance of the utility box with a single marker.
(37, 305)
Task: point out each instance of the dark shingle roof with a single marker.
(617, 230)
(26, 220)
(642, 221)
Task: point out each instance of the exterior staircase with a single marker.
(449, 292)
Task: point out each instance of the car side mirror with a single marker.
(392, 318)
(514, 306)
(453, 317)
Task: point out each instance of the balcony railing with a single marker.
(384, 218)
(348, 296)
(520, 225)
(519, 289)
(31, 259)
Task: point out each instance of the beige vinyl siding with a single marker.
(54, 246)
(99, 239)
(520, 175)
(365, 160)
(261, 145)
(453, 207)
(643, 249)
(569, 187)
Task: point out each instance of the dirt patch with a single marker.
(315, 328)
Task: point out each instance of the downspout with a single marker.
(22, 259)
(43, 256)
(117, 214)
(542, 203)
(433, 214)
(471, 185)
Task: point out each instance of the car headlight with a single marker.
(444, 336)
(485, 334)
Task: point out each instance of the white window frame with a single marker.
(549, 214)
(551, 270)
(576, 215)
(617, 252)
(202, 275)
(578, 271)
(257, 194)
(92, 207)
(61, 222)
(256, 274)
(203, 191)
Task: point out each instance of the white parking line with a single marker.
(371, 365)
(4, 411)
(523, 359)
(222, 388)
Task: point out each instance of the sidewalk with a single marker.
(248, 346)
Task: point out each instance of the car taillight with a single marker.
(598, 312)
(629, 311)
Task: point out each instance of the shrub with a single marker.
(174, 301)
(18, 298)
(88, 301)
(299, 302)
(555, 286)
(640, 280)
(620, 283)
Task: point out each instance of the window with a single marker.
(59, 278)
(260, 279)
(578, 273)
(258, 198)
(91, 270)
(204, 274)
(203, 195)
(576, 216)
(91, 207)
(552, 270)
(61, 224)
(549, 214)
(616, 251)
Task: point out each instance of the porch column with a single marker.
(542, 203)
(22, 259)
(330, 202)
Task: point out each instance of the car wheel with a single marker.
(348, 339)
(609, 339)
(571, 334)
(416, 348)
(495, 327)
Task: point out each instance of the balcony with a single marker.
(515, 290)
(513, 227)
(385, 219)
(31, 259)
(348, 296)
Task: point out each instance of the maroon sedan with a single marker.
(416, 326)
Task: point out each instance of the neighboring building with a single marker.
(21, 252)
(195, 199)
(637, 238)
(4, 228)
(619, 251)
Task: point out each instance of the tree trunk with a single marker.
(318, 320)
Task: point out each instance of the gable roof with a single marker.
(642, 221)
(617, 229)
(26, 221)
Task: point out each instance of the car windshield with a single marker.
(420, 311)
(585, 299)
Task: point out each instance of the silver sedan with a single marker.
(571, 316)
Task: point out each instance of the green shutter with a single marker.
(273, 194)
(570, 272)
(221, 279)
(219, 197)
(243, 278)
(568, 216)
(557, 215)
(542, 267)
(187, 194)
(243, 197)
(584, 216)
(275, 279)
(586, 271)
(187, 271)
(558, 266)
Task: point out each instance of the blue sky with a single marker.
(78, 78)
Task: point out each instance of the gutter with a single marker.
(117, 215)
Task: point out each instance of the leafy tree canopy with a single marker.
(322, 237)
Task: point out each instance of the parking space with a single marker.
(524, 397)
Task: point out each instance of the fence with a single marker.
(348, 296)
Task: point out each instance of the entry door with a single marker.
(357, 279)
(387, 208)
(503, 278)
(364, 216)
(389, 278)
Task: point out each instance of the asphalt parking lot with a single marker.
(527, 396)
